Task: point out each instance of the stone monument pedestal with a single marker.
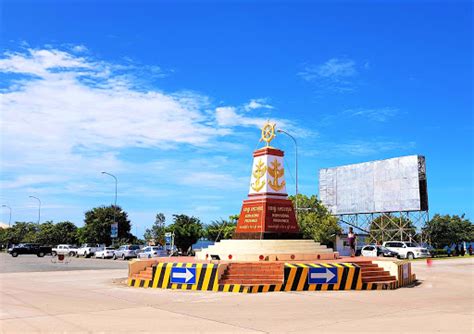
(264, 217)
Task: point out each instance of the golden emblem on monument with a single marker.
(258, 173)
(276, 172)
(268, 132)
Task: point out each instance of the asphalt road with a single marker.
(32, 263)
(97, 301)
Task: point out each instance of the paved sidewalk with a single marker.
(89, 301)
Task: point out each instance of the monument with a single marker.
(267, 213)
(267, 228)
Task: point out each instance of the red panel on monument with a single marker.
(267, 218)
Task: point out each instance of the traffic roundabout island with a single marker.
(267, 252)
(270, 276)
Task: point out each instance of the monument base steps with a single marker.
(253, 274)
(372, 273)
(268, 250)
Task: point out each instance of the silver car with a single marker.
(126, 252)
(152, 251)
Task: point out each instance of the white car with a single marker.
(88, 250)
(105, 253)
(152, 251)
(64, 250)
(376, 250)
(407, 250)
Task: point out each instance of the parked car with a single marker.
(407, 250)
(105, 253)
(65, 250)
(35, 249)
(88, 250)
(126, 252)
(377, 250)
(152, 251)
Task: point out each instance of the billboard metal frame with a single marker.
(399, 230)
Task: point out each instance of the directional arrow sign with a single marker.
(322, 276)
(183, 275)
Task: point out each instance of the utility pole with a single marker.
(39, 207)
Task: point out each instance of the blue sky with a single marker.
(169, 98)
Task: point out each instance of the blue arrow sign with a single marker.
(183, 275)
(322, 276)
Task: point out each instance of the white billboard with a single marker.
(392, 185)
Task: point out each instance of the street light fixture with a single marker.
(296, 169)
(39, 207)
(115, 202)
(9, 219)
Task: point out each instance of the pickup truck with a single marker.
(64, 250)
(35, 249)
(88, 250)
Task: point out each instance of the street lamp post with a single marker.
(115, 202)
(296, 169)
(10, 218)
(39, 207)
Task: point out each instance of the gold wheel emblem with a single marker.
(268, 132)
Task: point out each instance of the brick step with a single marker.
(251, 281)
(378, 279)
(233, 276)
(261, 263)
(253, 266)
(366, 269)
(140, 276)
(150, 269)
(367, 265)
(375, 273)
(145, 274)
(384, 282)
(256, 272)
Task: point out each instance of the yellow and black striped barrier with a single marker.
(295, 279)
(206, 277)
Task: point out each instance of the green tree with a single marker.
(221, 229)
(21, 232)
(67, 232)
(389, 227)
(446, 230)
(98, 224)
(187, 230)
(315, 221)
(157, 232)
(47, 234)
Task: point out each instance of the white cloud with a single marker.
(375, 114)
(79, 48)
(229, 116)
(257, 104)
(75, 106)
(64, 118)
(334, 74)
